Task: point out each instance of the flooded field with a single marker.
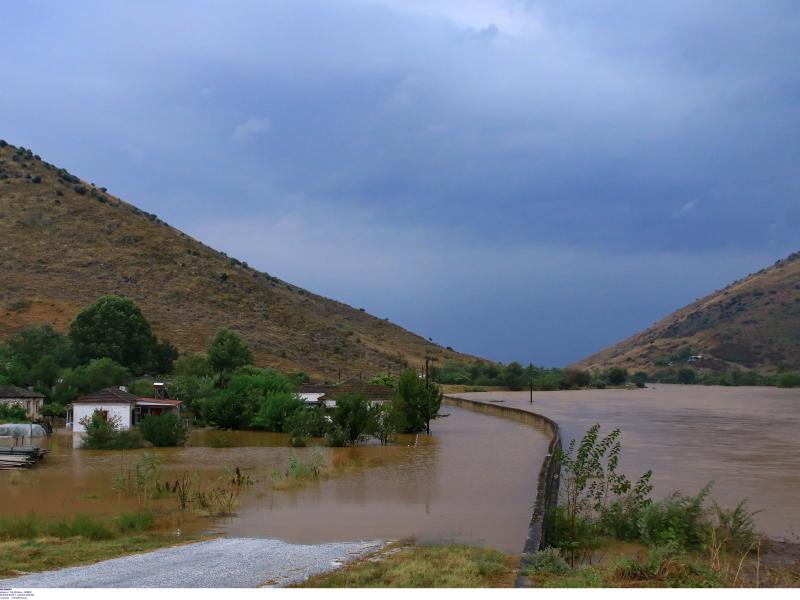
(745, 439)
(474, 480)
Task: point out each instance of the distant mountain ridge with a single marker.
(753, 323)
(65, 242)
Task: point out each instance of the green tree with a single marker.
(34, 355)
(193, 365)
(617, 375)
(228, 352)
(575, 378)
(384, 421)
(164, 430)
(687, 376)
(114, 328)
(98, 374)
(275, 410)
(514, 376)
(416, 402)
(164, 356)
(352, 415)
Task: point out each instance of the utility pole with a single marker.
(530, 374)
(340, 375)
(427, 399)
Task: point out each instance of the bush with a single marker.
(545, 562)
(789, 379)
(352, 415)
(12, 413)
(679, 521)
(105, 434)
(617, 375)
(275, 411)
(164, 430)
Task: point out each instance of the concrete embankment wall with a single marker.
(548, 477)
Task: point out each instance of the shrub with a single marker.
(136, 521)
(164, 430)
(789, 379)
(734, 529)
(679, 521)
(617, 375)
(545, 562)
(275, 411)
(105, 434)
(12, 413)
(352, 415)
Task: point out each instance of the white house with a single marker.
(311, 393)
(114, 403)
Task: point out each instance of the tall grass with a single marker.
(30, 527)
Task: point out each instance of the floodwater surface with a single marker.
(472, 481)
(744, 439)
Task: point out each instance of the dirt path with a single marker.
(224, 562)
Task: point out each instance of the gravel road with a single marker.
(224, 563)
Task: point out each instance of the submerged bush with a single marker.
(105, 434)
(164, 430)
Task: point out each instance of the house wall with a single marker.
(79, 411)
(31, 405)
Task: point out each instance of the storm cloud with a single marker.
(520, 180)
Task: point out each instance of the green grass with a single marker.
(29, 544)
(408, 566)
(46, 553)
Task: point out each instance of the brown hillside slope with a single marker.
(753, 323)
(63, 243)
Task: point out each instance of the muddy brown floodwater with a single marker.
(744, 439)
(473, 481)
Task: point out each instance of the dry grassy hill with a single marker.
(753, 323)
(64, 242)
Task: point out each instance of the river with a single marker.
(744, 439)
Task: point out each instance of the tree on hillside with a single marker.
(228, 352)
(114, 328)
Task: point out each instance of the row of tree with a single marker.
(516, 377)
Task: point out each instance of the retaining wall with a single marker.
(547, 489)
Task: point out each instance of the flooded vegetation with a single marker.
(744, 439)
(473, 481)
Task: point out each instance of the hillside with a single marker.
(753, 323)
(65, 242)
